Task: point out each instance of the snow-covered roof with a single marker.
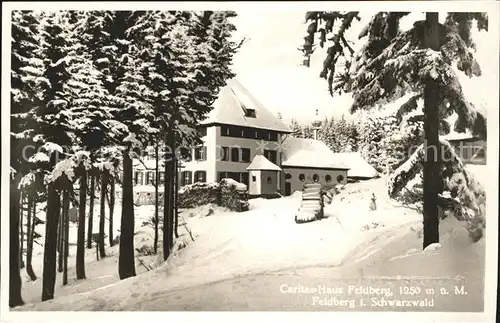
(358, 166)
(260, 162)
(230, 106)
(300, 152)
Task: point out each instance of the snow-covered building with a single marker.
(246, 142)
(359, 168)
(471, 149)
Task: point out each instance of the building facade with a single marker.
(244, 141)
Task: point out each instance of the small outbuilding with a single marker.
(264, 176)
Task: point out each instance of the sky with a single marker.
(269, 64)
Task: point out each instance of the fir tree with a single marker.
(26, 69)
(419, 61)
(296, 128)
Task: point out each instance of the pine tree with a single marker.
(394, 64)
(307, 132)
(53, 129)
(135, 114)
(296, 128)
(26, 69)
(15, 298)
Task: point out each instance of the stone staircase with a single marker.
(311, 207)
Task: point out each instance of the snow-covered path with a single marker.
(241, 261)
(383, 254)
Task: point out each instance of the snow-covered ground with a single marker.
(238, 260)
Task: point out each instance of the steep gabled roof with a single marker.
(260, 162)
(300, 152)
(230, 107)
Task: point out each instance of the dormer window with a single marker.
(250, 113)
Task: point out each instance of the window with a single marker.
(234, 131)
(235, 154)
(302, 177)
(222, 175)
(235, 176)
(244, 178)
(200, 176)
(139, 178)
(225, 154)
(478, 151)
(200, 153)
(262, 135)
(340, 179)
(269, 180)
(186, 153)
(186, 178)
(250, 113)
(245, 155)
(271, 155)
(288, 176)
(254, 178)
(273, 136)
(328, 178)
(316, 177)
(224, 131)
(248, 133)
(149, 178)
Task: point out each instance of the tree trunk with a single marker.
(65, 235)
(176, 197)
(21, 229)
(80, 244)
(15, 298)
(167, 202)
(60, 242)
(157, 195)
(126, 260)
(431, 167)
(29, 236)
(91, 212)
(171, 195)
(50, 246)
(104, 186)
(111, 209)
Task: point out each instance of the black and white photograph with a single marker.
(246, 157)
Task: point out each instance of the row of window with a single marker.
(237, 154)
(200, 176)
(186, 178)
(200, 153)
(234, 153)
(248, 133)
(316, 178)
(149, 178)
